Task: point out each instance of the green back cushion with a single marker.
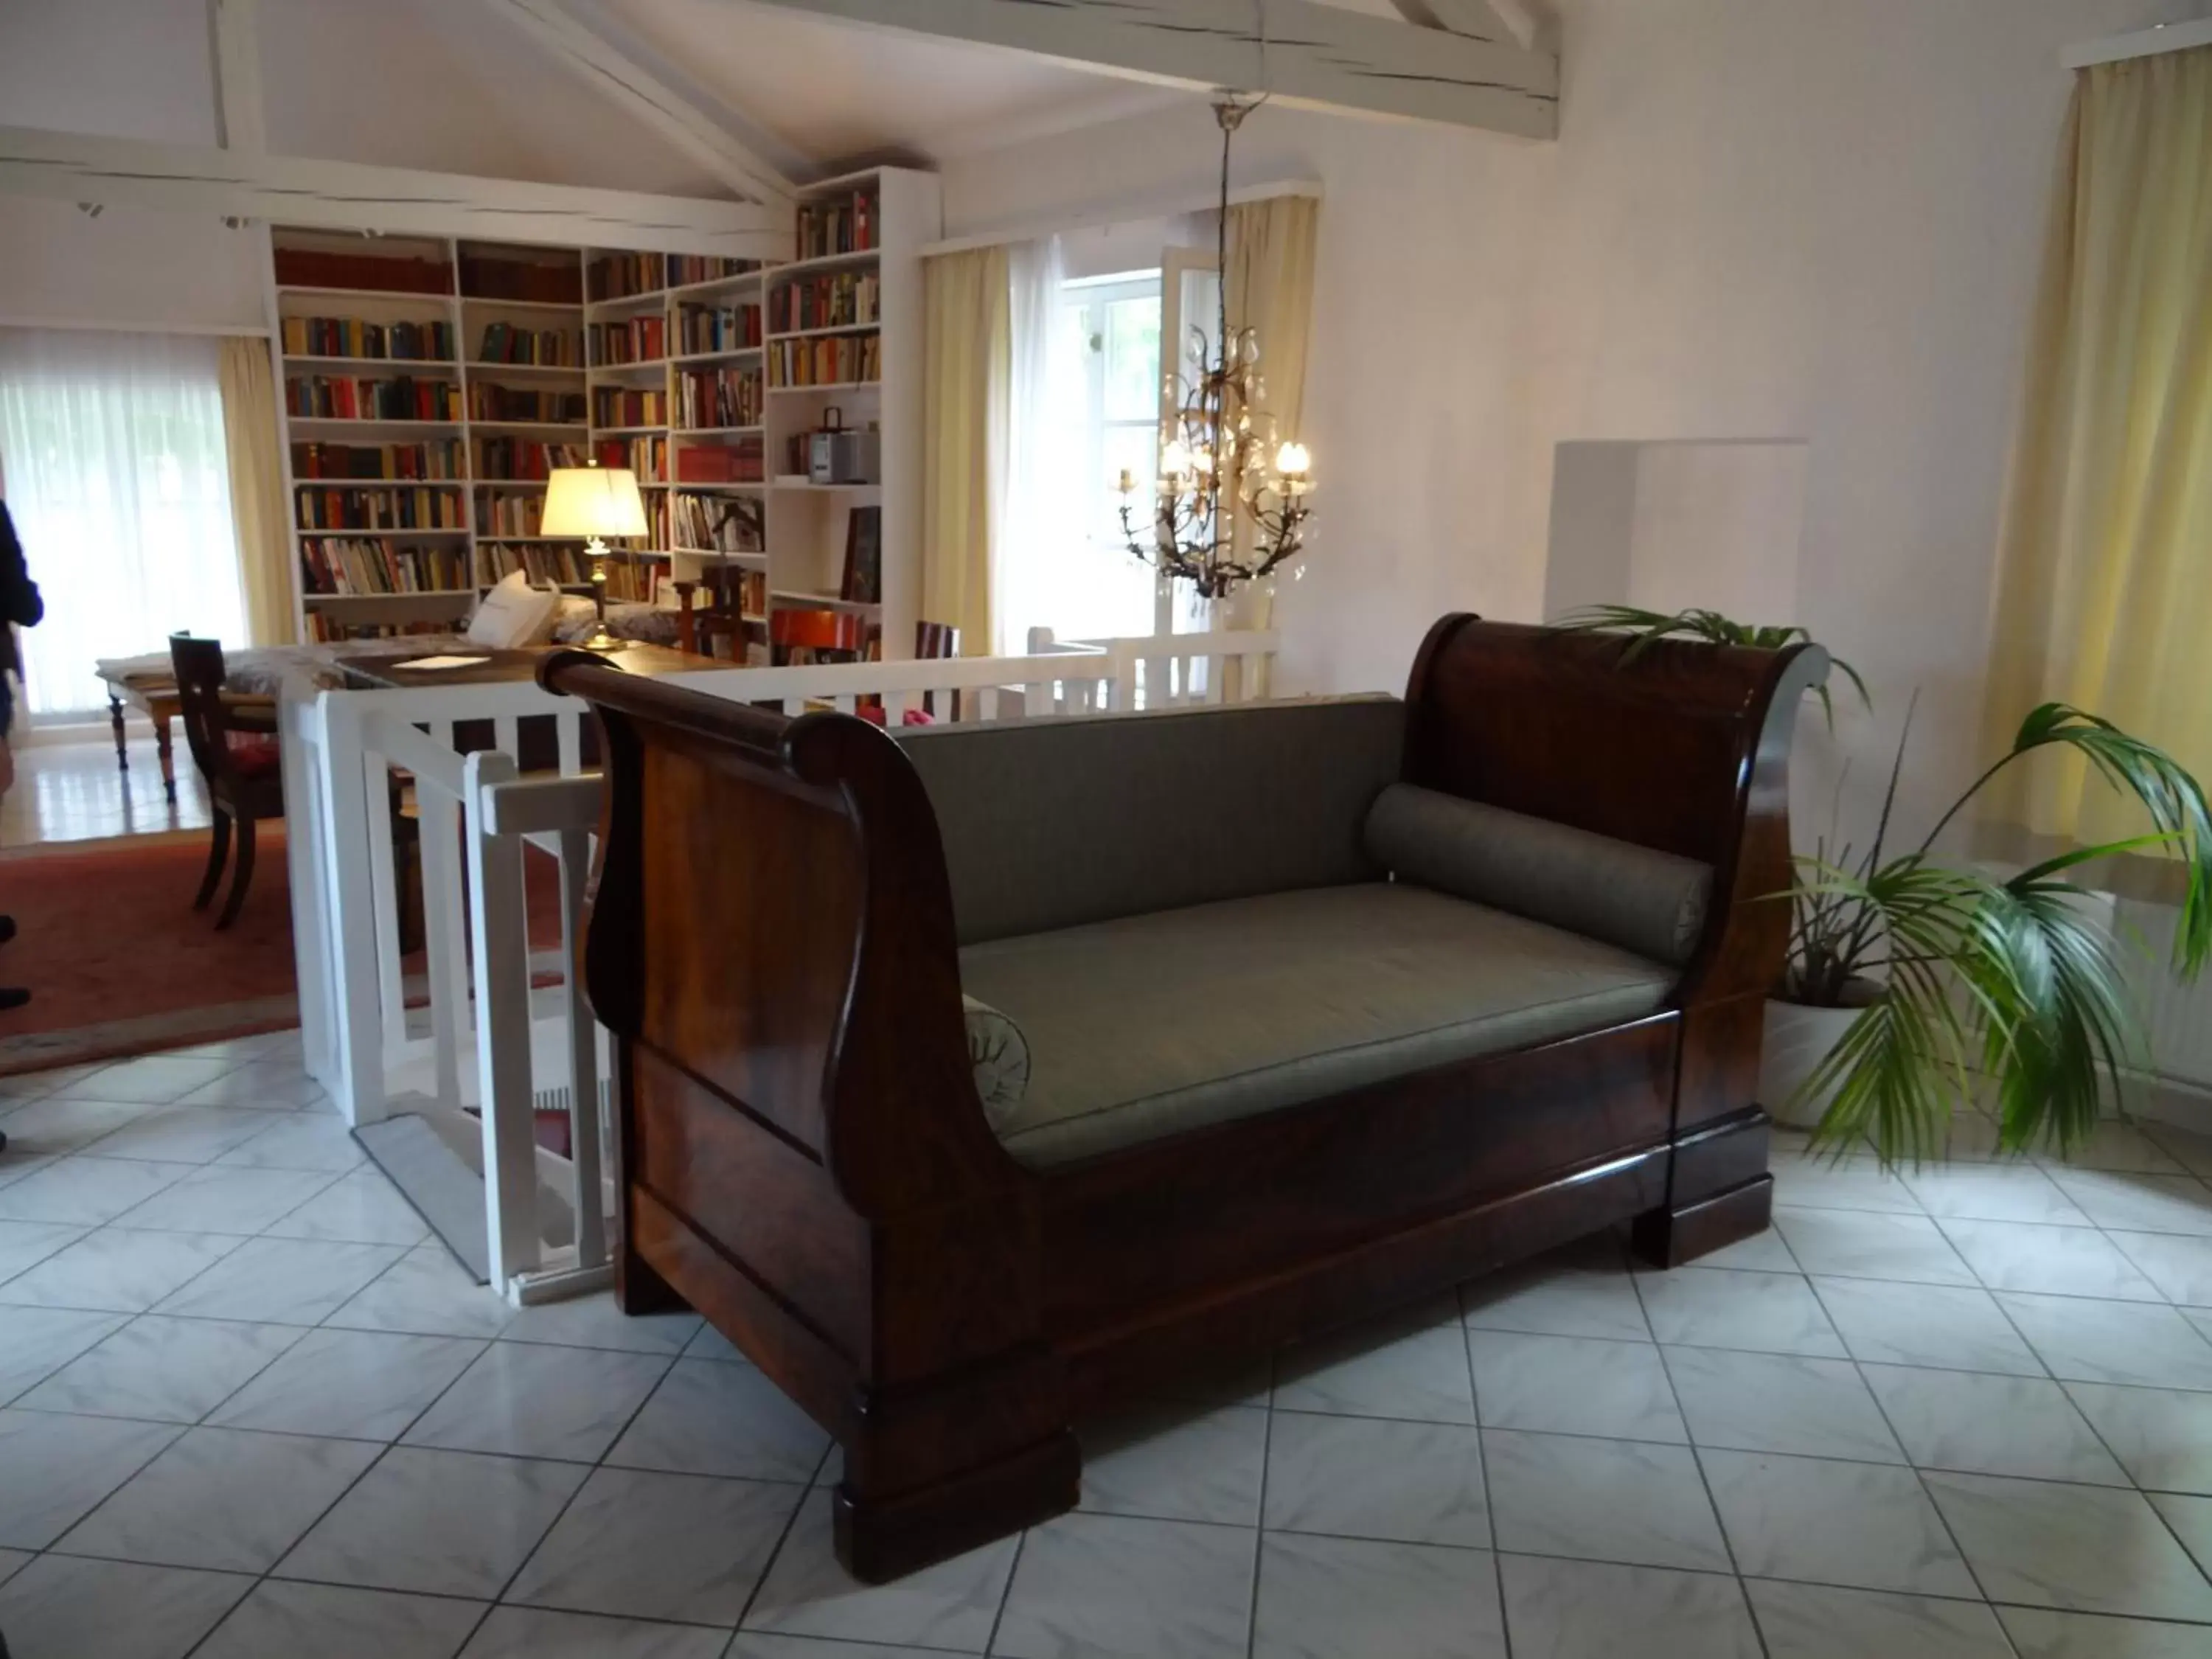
(1648, 901)
(1053, 824)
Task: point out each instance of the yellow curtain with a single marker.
(1269, 287)
(257, 489)
(2103, 594)
(967, 392)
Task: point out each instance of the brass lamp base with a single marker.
(601, 640)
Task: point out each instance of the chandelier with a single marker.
(1231, 494)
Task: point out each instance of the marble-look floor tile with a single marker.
(356, 1385)
(273, 1085)
(2190, 1518)
(361, 1207)
(54, 1470)
(2140, 1203)
(2162, 1436)
(1111, 1584)
(1603, 1500)
(14, 1165)
(2009, 1255)
(1176, 1462)
(2178, 1264)
(2038, 1634)
(1848, 1244)
(530, 1402)
(219, 1199)
(1410, 1365)
(162, 1370)
(51, 1127)
(36, 1342)
(286, 1281)
(1765, 1253)
(222, 1499)
(283, 1621)
(594, 1321)
(179, 1134)
(427, 1293)
(710, 1344)
(1992, 1191)
(1981, 1424)
(1853, 1184)
(2124, 1148)
(151, 1080)
(12, 1562)
(1573, 1385)
(85, 1192)
(1416, 1483)
(2191, 1150)
(536, 1633)
(950, 1605)
(439, 1522)
(24, 1244)
(1778, 1402)
(1863, 1525)
(1943, 1325)
(707, 1417)
(1813, 1621)
(765, 1645)
(1596, 1610)
(302, 1141)
(2084, 1549)
(635, 1544)
(1724, 1308)
(1576, 1292)
(1323, 1598)
(118, 1270)
(2085, 1341)
(64, 1607)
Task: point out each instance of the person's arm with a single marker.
(20, 602)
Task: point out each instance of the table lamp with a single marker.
(595, 502)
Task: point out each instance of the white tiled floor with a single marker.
(247, 1411)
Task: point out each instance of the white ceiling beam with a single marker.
(1303, 52)
(397, 201)
(241, 121)
(612, 62)
(1472, 18)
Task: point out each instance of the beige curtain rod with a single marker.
(2144, 43)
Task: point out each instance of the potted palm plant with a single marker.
(1912, 986)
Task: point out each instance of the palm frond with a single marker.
(1646, 628)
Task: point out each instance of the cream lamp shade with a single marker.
(593, 502)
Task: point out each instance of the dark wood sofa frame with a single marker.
(806, 1162)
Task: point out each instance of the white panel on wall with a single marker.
(128, 268)
(1671, 525)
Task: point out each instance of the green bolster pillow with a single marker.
(1648, 901)
(1000, 1055)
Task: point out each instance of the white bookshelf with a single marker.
(803, 525)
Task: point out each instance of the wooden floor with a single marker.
(74, 792)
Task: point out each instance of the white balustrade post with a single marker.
(583, 1055)
(500, 935)
(350, 911)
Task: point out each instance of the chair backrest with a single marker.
(198, 667)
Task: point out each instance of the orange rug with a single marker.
(118, 961)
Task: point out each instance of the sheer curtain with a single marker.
(113, 463)
(965, 368)
(1041, 525)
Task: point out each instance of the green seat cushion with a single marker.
(1151, 1025)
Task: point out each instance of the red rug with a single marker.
(118, 961)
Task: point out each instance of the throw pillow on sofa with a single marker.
(514, 614)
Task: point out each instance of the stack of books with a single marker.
(352, 336)
(442, 459)
(318, 397)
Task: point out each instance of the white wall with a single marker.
(1764, 218)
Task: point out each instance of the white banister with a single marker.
(487, 1039)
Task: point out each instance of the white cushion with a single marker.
(513, 615)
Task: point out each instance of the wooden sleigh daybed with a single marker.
(1330, 1006)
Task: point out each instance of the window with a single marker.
(1095, 412)
(113, 465)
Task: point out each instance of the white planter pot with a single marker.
(1798, 1038)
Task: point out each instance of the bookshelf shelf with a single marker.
(825, 332)
(805, 527)
(296, 361)
(809, 487)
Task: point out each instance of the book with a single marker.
(864, 556)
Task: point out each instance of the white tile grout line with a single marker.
(1482, 1462)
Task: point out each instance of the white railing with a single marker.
(485, 1027)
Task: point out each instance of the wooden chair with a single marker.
(233, 744)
